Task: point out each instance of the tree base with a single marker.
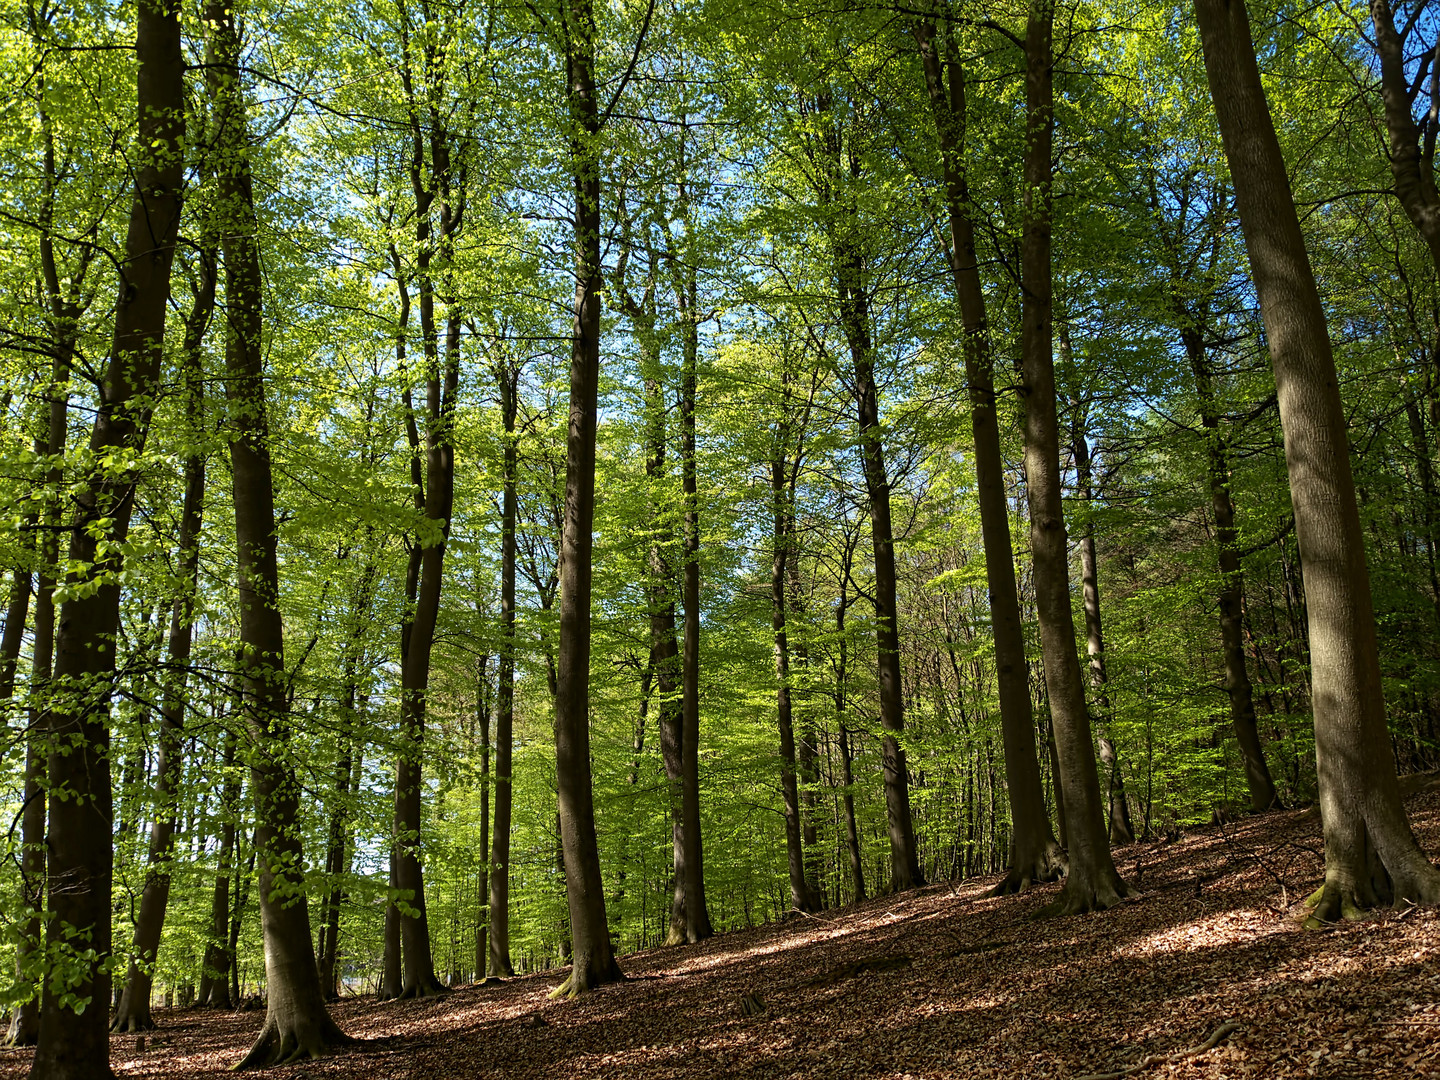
(1078, 899)
(283, 1041)
(429, 987)
(573, 987)
(1051, 864)
(129, 1020)
(24, 1027)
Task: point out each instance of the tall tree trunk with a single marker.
(807, 748)
(215, 969)
(133, 1013)
(1232, 583)
(594, 961)
(1121, 831)
(1371, 855)
(842, 647)
(79, 863)
(297, 1023)
(500, 964)
(1034, 854)
(782, 495)
(1411, 150)
(482, 715)
(697, 909)
(1092, 882)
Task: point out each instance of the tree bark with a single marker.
(1238, 688)
(79, 862)
(1121, 831)
(133, 1013)
(482, 715)
(215, 969)
(1371, 856)
(1034, 854)
(782, 495)
(297, 1023)
(500, 964)
(594, 961)
(852, 833)
(1411, 150)
(1092, 882)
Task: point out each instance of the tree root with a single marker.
(427, 988)
(285, 1043)
(1216, 1037)
(130, 1021)
(1084, 901)
(1050, 864)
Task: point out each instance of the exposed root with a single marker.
(1217, 1036)
(284, 1044)
(130, 1021)
(1077, 899)
(425, 988)
(1329, 904)
(1050, 864)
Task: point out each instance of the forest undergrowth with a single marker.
(943, 982)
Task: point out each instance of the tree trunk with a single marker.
(297, 1023)
(1034, 854)
(1371, 856)
(79, 863)
(782, 494)
(482, 715)
(133, 1013)
(1121, 831)
(500, 964)
(1412, 157)
(215, 969)
(594, 961)
(697, 910)
(852, 834)
(1232, 584)
(1092, 882)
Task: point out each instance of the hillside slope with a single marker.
(944, 983)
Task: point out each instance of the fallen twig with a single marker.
(1216, 1037)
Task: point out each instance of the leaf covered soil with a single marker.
(942, 982)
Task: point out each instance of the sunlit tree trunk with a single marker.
(1034, 854)
(1371, 856)
(500, 964)
(1092, 882)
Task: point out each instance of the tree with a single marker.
(1370, 853)
(1092, 882)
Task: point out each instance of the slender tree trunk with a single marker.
(215, 970)
(133, 1013)
(1034, 854)
(1232, 584)
(782, 496)
(79, 861)
(297, 1023)
(1092, 882)
(852, 834)
(1371, 856)
(807, 747)
(1121, 831)
(594, 961)
(482, 715)
(697, 910)
(500, 964)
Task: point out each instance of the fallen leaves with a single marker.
(986, 993)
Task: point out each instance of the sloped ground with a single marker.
(986, 993)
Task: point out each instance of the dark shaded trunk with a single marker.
(215, 969)
(133, 1013)
(1371, 856)
(594, 961)
(79, 862)
(500, 964)
(1034, 854)
(297, 1023)
(782, 496)
(842, 647)
(807, 747)
(482, 891)
(1121, 831)
(1238, 688)
(697, 910)
(1092, 882)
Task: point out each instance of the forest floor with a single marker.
(943, 982)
